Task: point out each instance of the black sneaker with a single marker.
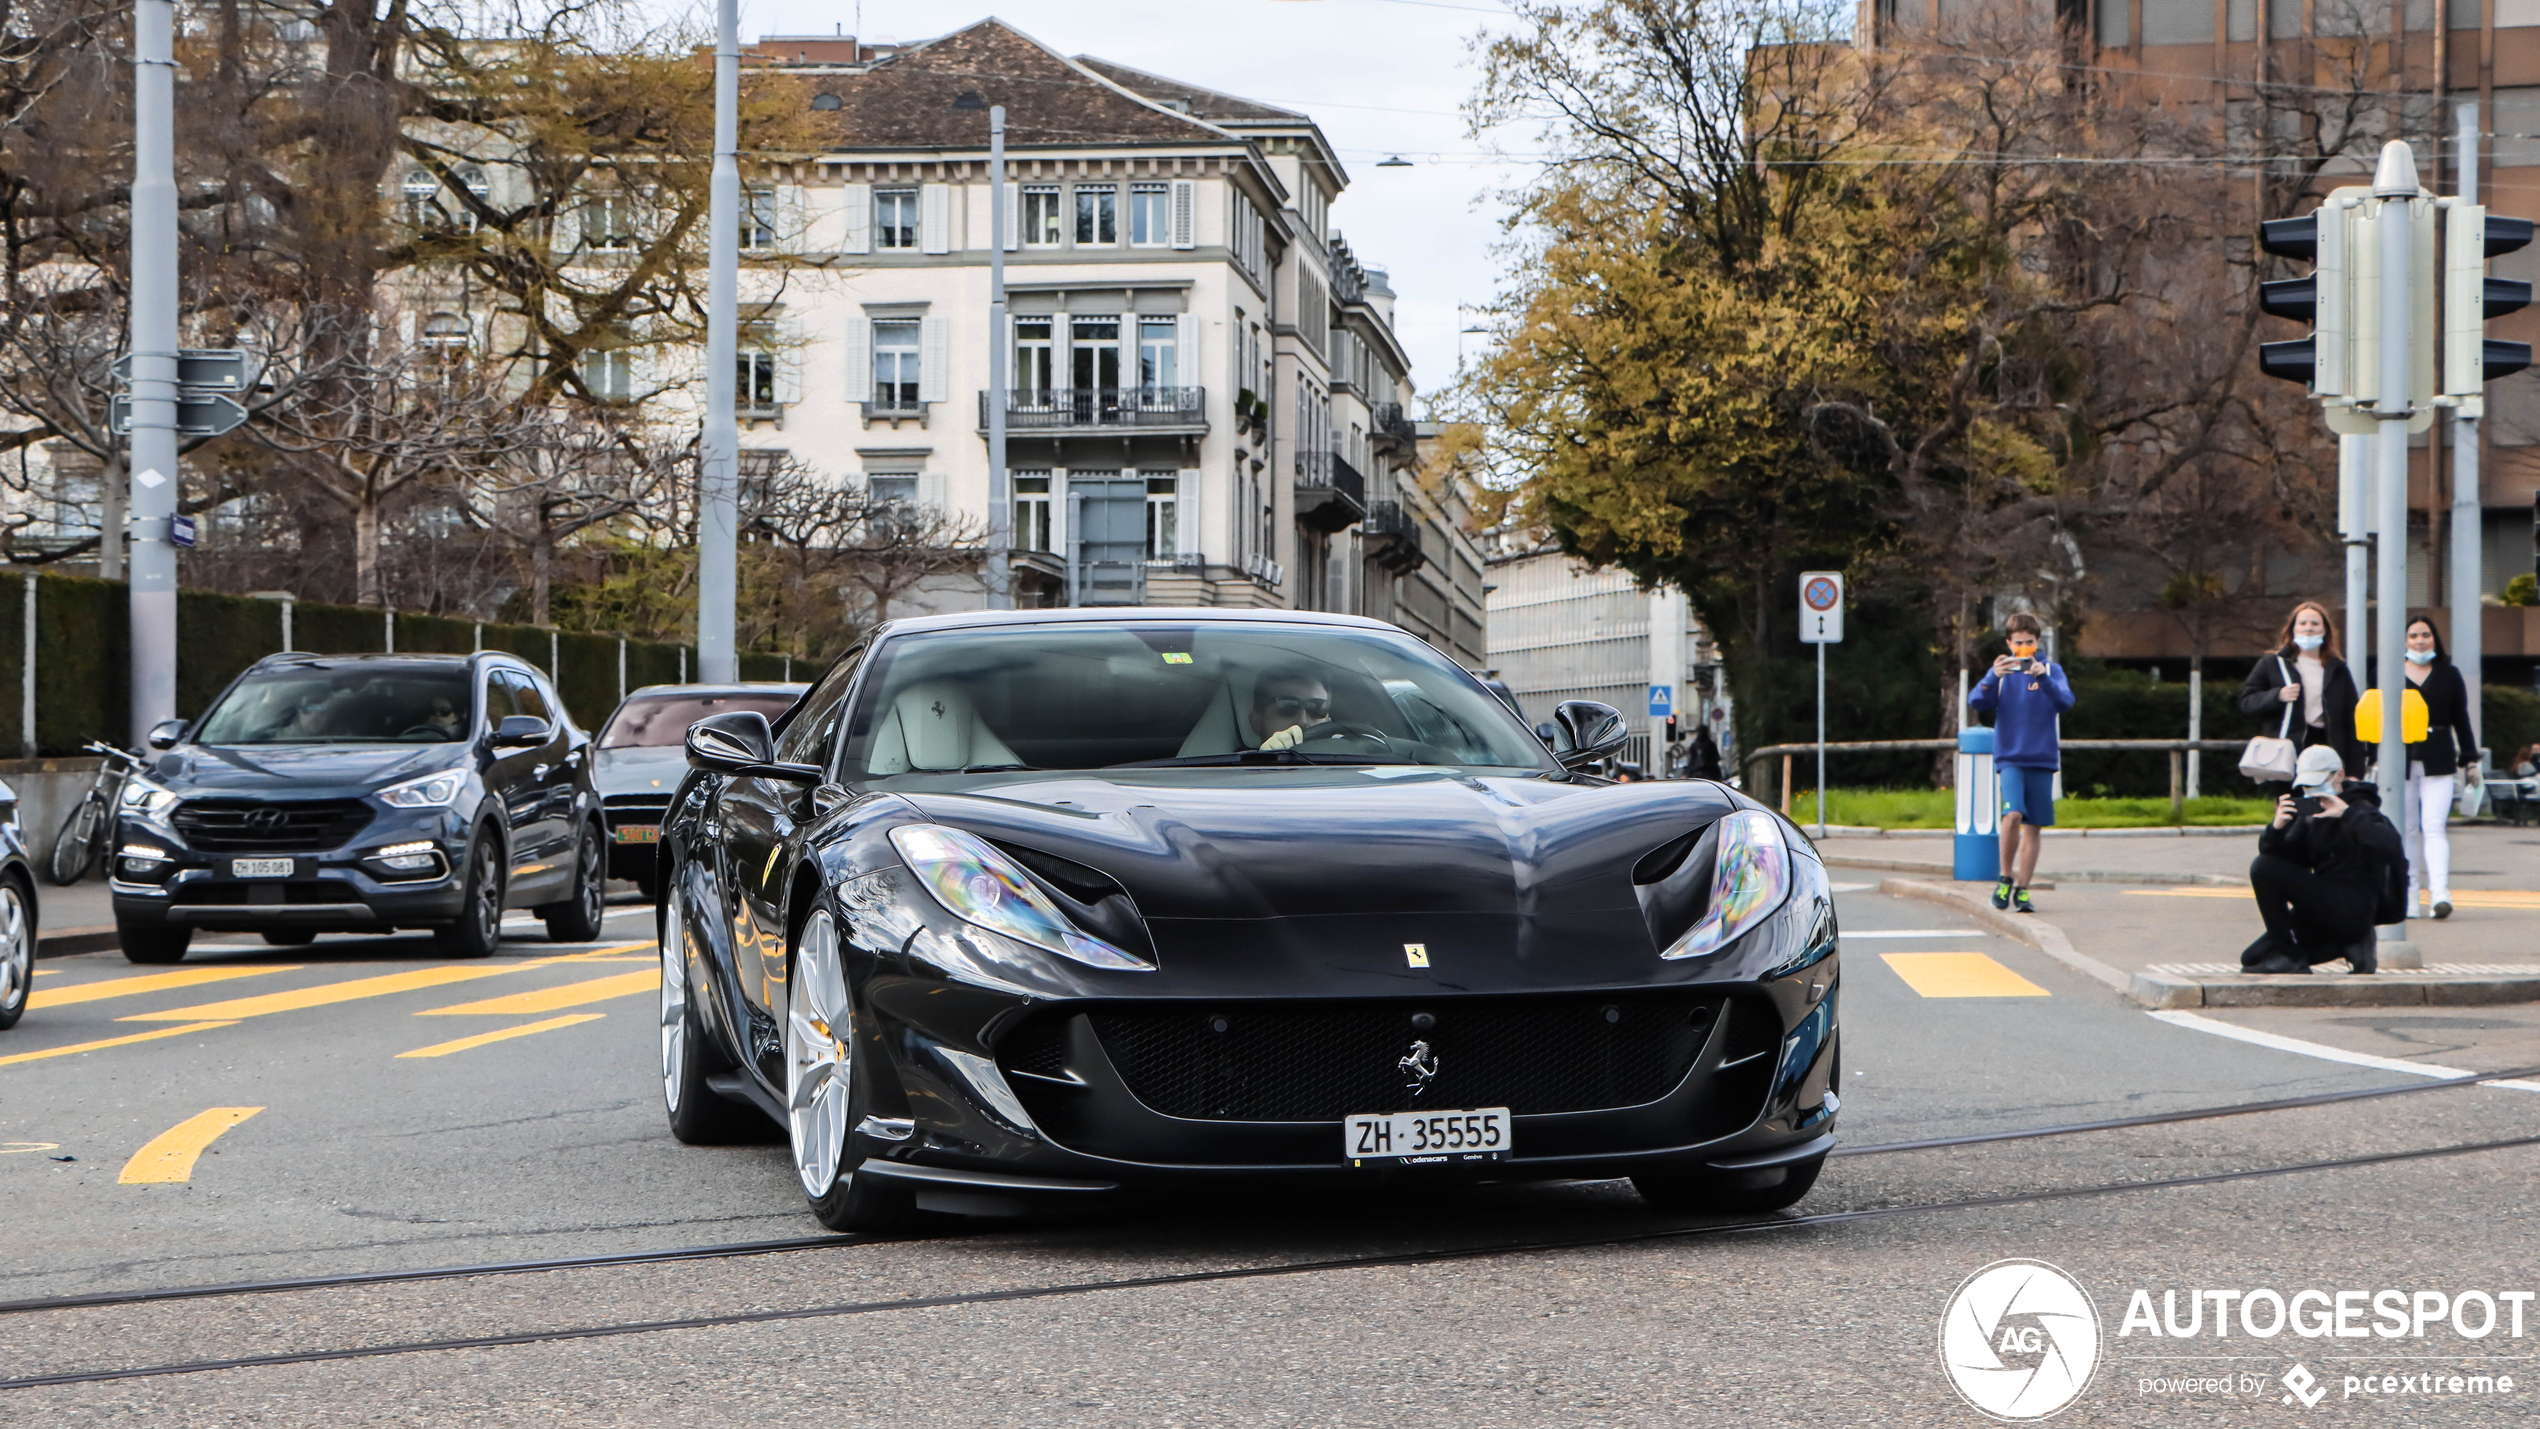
(2279, 963)
(2364, 956)
(2442, 908)
(2019, 901)
(2002, 894)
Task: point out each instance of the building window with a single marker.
(893, 489)
(1093, 353)
(1150, 215)
(608, 221)
(609, 374)
(895, 363)
(1040, 217)
(1032, 362)
(754, 381)
(758, 217)
(895, 218)
(1031, 511)
(1157, 359)
(1097, 215)
(445, 330)
(1164, 514)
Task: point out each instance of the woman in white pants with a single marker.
(2448, 751)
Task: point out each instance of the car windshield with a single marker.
(343, 704)
(1049, 696)
(660, 721)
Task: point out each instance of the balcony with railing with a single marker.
(1330, 493)
(1392, 430)
(1059, 411)
(1394, 540)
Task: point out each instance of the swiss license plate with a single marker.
(1422, 1138)
(639, 833)
(260, 868)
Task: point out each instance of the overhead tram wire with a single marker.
(1256, 1272)
(778, 1247)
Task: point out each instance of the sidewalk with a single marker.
(2177, 943)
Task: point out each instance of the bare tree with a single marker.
(567, 471)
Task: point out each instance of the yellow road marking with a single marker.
(169, 1158)
(1960, 975)
(551, 999)
(149, 982)
(113, 1042)
(330, 992)
(444, 1049)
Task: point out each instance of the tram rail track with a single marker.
(1437, 1255)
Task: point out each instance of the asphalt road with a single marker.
(550, 1143)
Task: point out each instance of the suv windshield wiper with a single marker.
(1257, 758)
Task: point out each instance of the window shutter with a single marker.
(1185, 213)
(934, 218)
(859, 358)
(1185, 511)
(1186, 350)
(931, 490)
(931, 360)
(859, 218)
(1013, 217)
(789, 363)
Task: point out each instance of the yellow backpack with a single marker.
(2414, 718)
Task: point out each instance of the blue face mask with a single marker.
(2310, 642)
(2420, 657)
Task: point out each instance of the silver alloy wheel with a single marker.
(819, 1028)
(17, 950)
(674, 1001)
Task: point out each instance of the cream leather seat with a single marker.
(933, 726)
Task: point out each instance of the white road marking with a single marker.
(2197, 1022)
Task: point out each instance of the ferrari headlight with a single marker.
(1750, 878)
(144, 798)
(430, 791)
(981, 886)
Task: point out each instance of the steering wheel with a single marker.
(1346, 729)
(424, 731)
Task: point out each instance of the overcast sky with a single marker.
(1380, 76)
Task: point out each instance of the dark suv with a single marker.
(363, 793)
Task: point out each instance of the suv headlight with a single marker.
(981, 886)
(146, 798)
(1750, 878)
(429, 791)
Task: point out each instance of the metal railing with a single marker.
(1099, 408)
(1756, 766)
(1392, 426)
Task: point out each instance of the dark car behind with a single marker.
(641, 758)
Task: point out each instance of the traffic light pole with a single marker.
(2354, 489)
(1000, 481)
(2394, 186)
(152, 588)
(719, 445)
(2468, 519)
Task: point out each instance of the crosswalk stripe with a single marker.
(444, 1049)
(112, 1042)
(169, 1157)
(1960, 975)
(552, 999)
(148, 982)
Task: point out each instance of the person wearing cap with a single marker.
(2324, 870)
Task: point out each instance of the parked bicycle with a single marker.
(85, 834)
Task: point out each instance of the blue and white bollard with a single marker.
(1978, 847)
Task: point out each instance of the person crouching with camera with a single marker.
(2324, 874)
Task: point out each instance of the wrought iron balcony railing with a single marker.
(1099, 408)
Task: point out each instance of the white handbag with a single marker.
(2272, 759)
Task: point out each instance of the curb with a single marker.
(1943, 871)
(2021, 927)
(2163, 831)
(63, 942)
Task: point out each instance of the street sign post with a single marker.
(1821, 625)
(197, 414)
(204, 369)
(1662, 701)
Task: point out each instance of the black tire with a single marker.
(478, 930)
(17, 950)
(75, 847)
(699, 1115)
(288, 937)
(1730, 1193)
(840, 1198)
(153, 945)
(577, 919)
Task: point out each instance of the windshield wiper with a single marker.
(1258, 758)
(995, 768)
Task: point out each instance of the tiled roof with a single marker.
(908, 100)
(1190, 98)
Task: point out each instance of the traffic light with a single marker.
(2321, 300)
(2472, 359)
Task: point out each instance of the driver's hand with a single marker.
(1287, 738)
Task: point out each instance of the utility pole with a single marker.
(2354, 527)
(2394, 188)
(719, 450)
(152, 590)
(1000, 481)
(2468, 520)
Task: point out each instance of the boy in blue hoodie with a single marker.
(2026, 696)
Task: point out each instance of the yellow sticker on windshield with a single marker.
(1177, 657)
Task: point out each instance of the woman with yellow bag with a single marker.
(2442, 747)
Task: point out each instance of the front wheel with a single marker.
(153, 945)
(75, 847)
(1731, 1193)
(17, 951)
(577, 919)
(478, 930)
(823, 1100)
(699, 1115)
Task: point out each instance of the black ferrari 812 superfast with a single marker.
(1031, 906)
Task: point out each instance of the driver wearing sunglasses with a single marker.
(1286, 707)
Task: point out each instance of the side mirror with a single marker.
(1585, 732)
(739, 743)
(521, 731)
(1548, 732)
(166, 733)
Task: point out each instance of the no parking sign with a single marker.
(1821, 607)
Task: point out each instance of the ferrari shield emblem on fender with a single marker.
(1416, 954)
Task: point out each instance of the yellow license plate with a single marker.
(639, 833)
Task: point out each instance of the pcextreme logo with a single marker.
(2020, 1340)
